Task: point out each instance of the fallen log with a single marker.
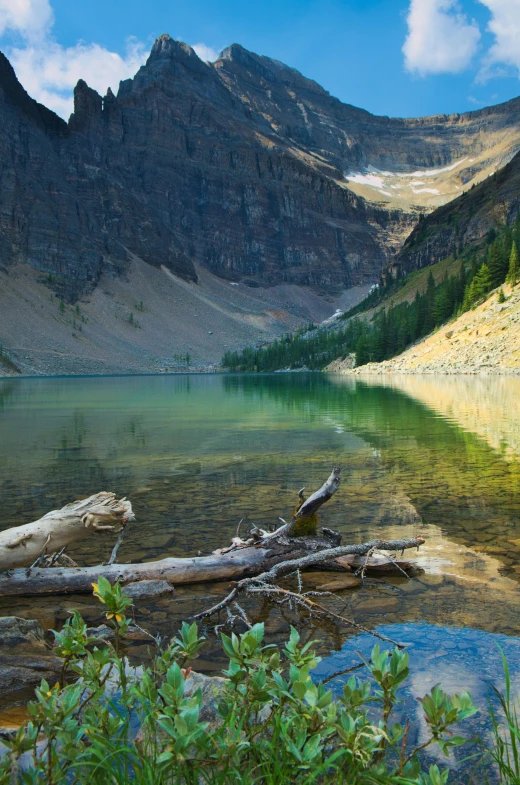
(378, 565)
(268, 555)
(22, 545)
(276, 558)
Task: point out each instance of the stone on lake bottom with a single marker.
(146, 589)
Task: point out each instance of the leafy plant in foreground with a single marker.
(267, 723)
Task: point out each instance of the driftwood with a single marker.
(287, 566)
(258, 561)
(23, 545)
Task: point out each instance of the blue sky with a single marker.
(395, 57)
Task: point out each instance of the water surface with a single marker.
(438, 458)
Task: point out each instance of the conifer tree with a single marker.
(429, 322)
(481, 283)
(497, 263)
(512, 275)
(362, 354)
(516, 230)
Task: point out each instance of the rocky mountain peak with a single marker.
(244, 166)
(87, 104)
(267, 68)
(12, 92)
(167, 48)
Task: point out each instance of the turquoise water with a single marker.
(438, 458)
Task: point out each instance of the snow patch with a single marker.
(433, 172)
(385, 182)
(366, 179)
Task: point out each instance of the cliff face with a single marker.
(241, 166)
(240, 200)
(65, 216)
(465, 221)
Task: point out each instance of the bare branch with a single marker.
(311, 505)
(292, 565)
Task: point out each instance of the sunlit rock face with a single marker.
(243, 166)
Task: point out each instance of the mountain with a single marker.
(465, 221)
(240, 172)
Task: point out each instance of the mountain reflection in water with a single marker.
(423, 456)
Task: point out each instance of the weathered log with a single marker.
(22, 545)
(275, 559)
(378, 565)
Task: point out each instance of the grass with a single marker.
(505, 752)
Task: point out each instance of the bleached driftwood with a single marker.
(22, 545)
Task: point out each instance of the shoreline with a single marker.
(363, 370)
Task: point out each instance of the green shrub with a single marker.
(272, 724)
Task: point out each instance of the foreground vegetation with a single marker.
(393, 327)
(268, 723)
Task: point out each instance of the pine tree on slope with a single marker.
(512, 276)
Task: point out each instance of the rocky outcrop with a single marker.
(65, 215)
(239, 166)
(25, 658)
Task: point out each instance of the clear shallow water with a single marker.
(195, 454)
(474, 659)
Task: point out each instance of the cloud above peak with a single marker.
(49, 71)
(206, 53)
(505, 51)
(30, 18)
(441, 38)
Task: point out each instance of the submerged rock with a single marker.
(21, 634)
(25, 658)
(145, 589)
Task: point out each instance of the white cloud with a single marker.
(30, 18)
(505, 51)
(49, 71)
(441, 38)
(205, 52)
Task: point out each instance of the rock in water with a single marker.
(24, 655)
(146, 589)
